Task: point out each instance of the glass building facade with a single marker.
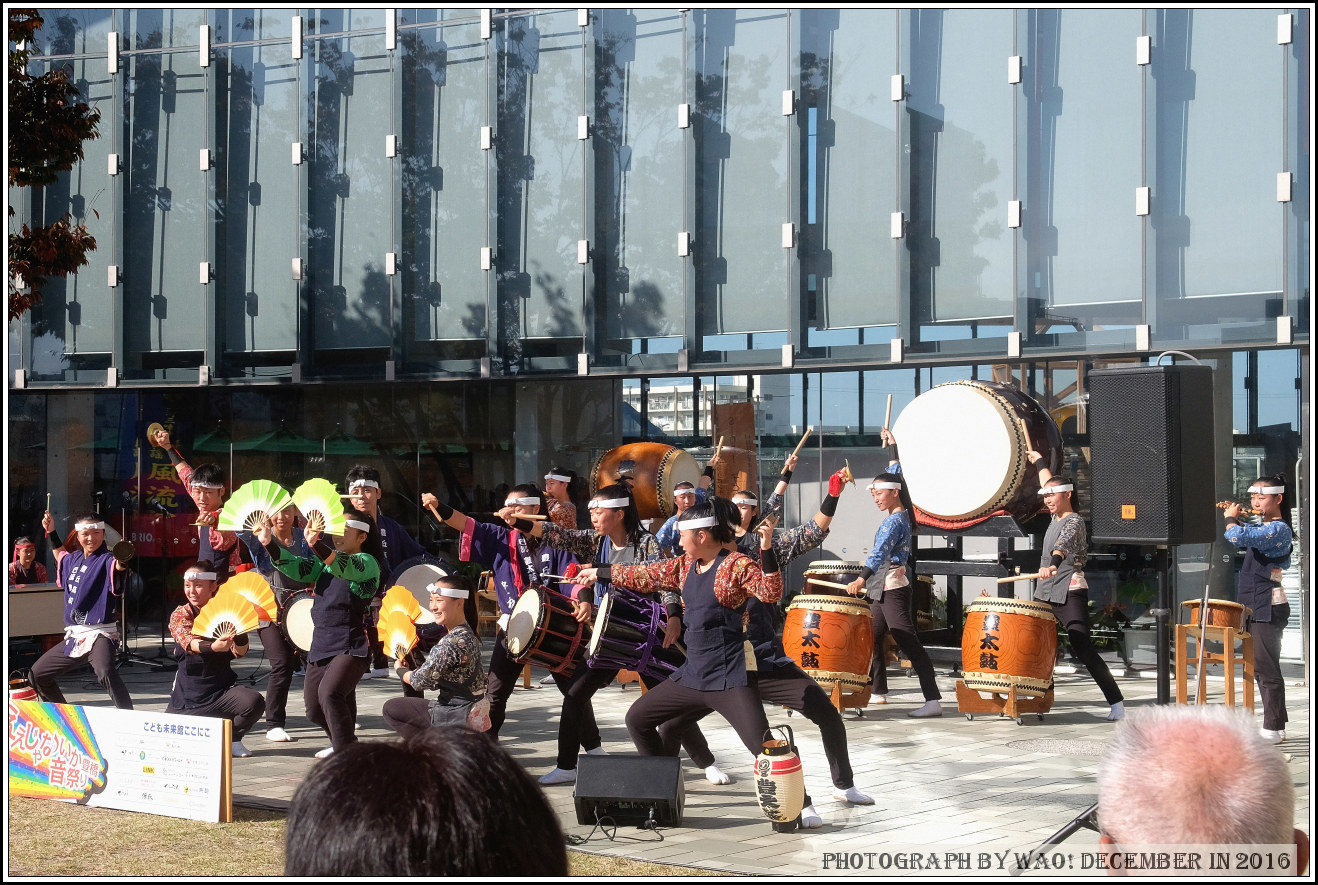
(468, 245)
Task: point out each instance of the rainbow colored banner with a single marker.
(52, 752)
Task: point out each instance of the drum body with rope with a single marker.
(543, 630)
(1009, 642)
(963, 453)
(654, 469)
(1221, 613)
(629, 635)
(295, 619)
(829, 634)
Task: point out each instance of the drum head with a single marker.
(415, 580)
(523, 621)
(601, 624)
(298, 625)
(961, 452)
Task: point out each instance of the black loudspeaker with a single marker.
(629, 789)
(1151, 455)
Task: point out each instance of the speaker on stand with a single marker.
(643, 790)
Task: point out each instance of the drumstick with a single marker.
(887, 416)
(1014, 578)
(718, 448)
(47, 502)
(822, 583)
(797, 450)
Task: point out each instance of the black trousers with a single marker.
(668, 700)
(893, 615)
(500, 682)
(240, 703)
(797, 691)
(55, 663)
(329, 691)
(1074, 617)
(576, 721)
(282, 656)
(1267, 666)
(685, 732)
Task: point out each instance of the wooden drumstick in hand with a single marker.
(887, 415)
(796, 451)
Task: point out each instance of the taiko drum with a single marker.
(653, 468)
(1009, 642)
(1221, 613)
(828, 633)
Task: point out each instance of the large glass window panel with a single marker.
(73, 31)
(259, 193)
(445, 184)
(72, 326)
(848, 57)
(1085, 156)
(541, 184)
(742, 169)
(166, 198)
(962, 133)
(350, 225)
(1218, 226)
(640, 183)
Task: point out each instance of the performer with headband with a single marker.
(347, 575)
(616, 538)
(282, 654)
(715, 585)
(890, 603)
(205, 486)
(518, 560)
(206, 684)
(453, 666)
(558, 489)
(684, 496)
(1062, 582)
(1267, 551)
(396, 547)
(25, 569)
(91, 608)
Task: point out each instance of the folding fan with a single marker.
(398, 598)
(256, 590)
(320, 503)
(397, 634)
(252, 505)
(227, 612)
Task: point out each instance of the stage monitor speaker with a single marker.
(1151, 455)
(629, 789)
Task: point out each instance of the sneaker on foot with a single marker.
(878, 699)
(852, 795)
(1272, 736)
(559, 776)
(548, 680)
(716, 776)
(1118, 711)
(277, 734)
(810, 819)
(598, 751)
(928, 711)
(321, 754)
(239, 751)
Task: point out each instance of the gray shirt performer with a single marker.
(1062, 583)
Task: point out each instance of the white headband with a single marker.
(686, 491)
(748, 499)
(79, 526)
(199, 576)
(359, 525)
(197, 484)
(450, 592)
(609, 504)
(1048, 490)
(524, 502)
(558, 476)
(703, 522)
(369, 483)
(1267, 490)
(884, 485)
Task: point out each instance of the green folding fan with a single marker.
(252, 505)
(322, 507)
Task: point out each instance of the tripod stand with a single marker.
(1087, 820)
(126, 654)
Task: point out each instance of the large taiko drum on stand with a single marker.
(829, 634)
(543, 630)
(654, 469)
(963, 452)
(1009, 642)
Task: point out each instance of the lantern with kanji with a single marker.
(779, 782)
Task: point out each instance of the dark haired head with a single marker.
(1063, 479)
(24, 541)
(201, 565)
(631, 517)
(448, 802)
(210, 474)
(372, 543)
(527, 490)
(362, 471)
(1278, 479)
(462, 582)
(722, 510)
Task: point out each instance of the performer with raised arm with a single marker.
(715, 585)
(346, 574)
(206, 487)
(684, 496)
(206, 684)
(91, 607)
(1062, 582)
(891, 599)
(517, 559)
(1267, 550)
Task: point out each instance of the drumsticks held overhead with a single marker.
(718, 448)
(887, 415)
(796, 451)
